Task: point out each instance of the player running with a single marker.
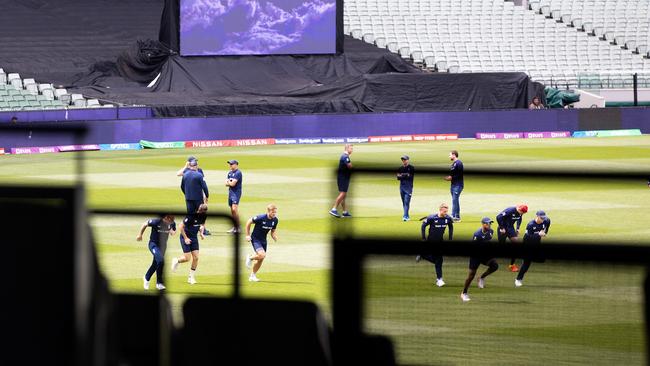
(507, 219)
(405, 175)
(535, 231)
(343, 182)
(161, 228)
(481, 236)
(437, 224)
(263, 224)
(234, 184)
(191, 227)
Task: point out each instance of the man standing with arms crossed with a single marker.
(405, 175)
(457, 184)
(343, 182)
(234, 184)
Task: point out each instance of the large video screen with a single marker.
(257, 27)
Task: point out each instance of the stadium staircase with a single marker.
(497, 36)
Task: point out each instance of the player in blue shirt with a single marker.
(507, 220)
(184, 170)
(263, 224)
(194, 187)
(343, 181)
(405, 175)
(535, 231)
(437, 224)
(234, 183)
(192, 226)
(481, 236)
(457, 184)
(161, 228)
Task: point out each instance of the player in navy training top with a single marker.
(192, 226)
(437, 224)
(507, 220)
(194, 187)
(535, 231)
(343, 181)
(405, 175)
(234, 184)
(161, 228)
(263, 224)
(481, 236)
(457, 184)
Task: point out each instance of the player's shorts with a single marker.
(510, 232)
(343, 183)
(475, 262)
(258, 244)
(194, 245)
(233, 198)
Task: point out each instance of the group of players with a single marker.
(509, 220)
(196, 193)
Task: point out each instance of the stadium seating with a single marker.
(495, 35)
(17, 94)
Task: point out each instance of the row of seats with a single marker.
(487, 36)
(18, 94)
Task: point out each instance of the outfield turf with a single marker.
(564, 314)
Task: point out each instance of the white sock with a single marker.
(334, 208)
(192, 272)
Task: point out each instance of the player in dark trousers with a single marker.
(263, 224)
(161, 228)
(437, 224)
(457, 184)
(535, 231)
(405, 175)
(194, 187)
(184, 170)
(191, 227)
(507, 220)
(343, 182)
(234, 183)
(481, 236)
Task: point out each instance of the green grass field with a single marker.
(565, 313)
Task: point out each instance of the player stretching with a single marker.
(190, 228)
(481, 236)
(507, 220)
(535, 231)
(437, 224)
(343, 182)
(234, 183)
(160, 231)
(263, 224)
(405, 175)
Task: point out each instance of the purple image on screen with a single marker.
(257, 27)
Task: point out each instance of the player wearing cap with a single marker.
(535, 231)
(191, 227)
(194, 187)
(405, 175)
(437, 224)
(161, 228)
(186, 167)
(481, 236)
(263, 224)
(234, 183)
(343, 182)
(507, 220)
(457, 184)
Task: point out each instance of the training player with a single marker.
(161, 228)
(191, 227)
(194, 187)
(405, 175)
(481, 236)
(535, 231)
(507, 220)
(437, 224)
(457, 184)
(184, 170)
(263, 224)
(234, 183)
(343, 182)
